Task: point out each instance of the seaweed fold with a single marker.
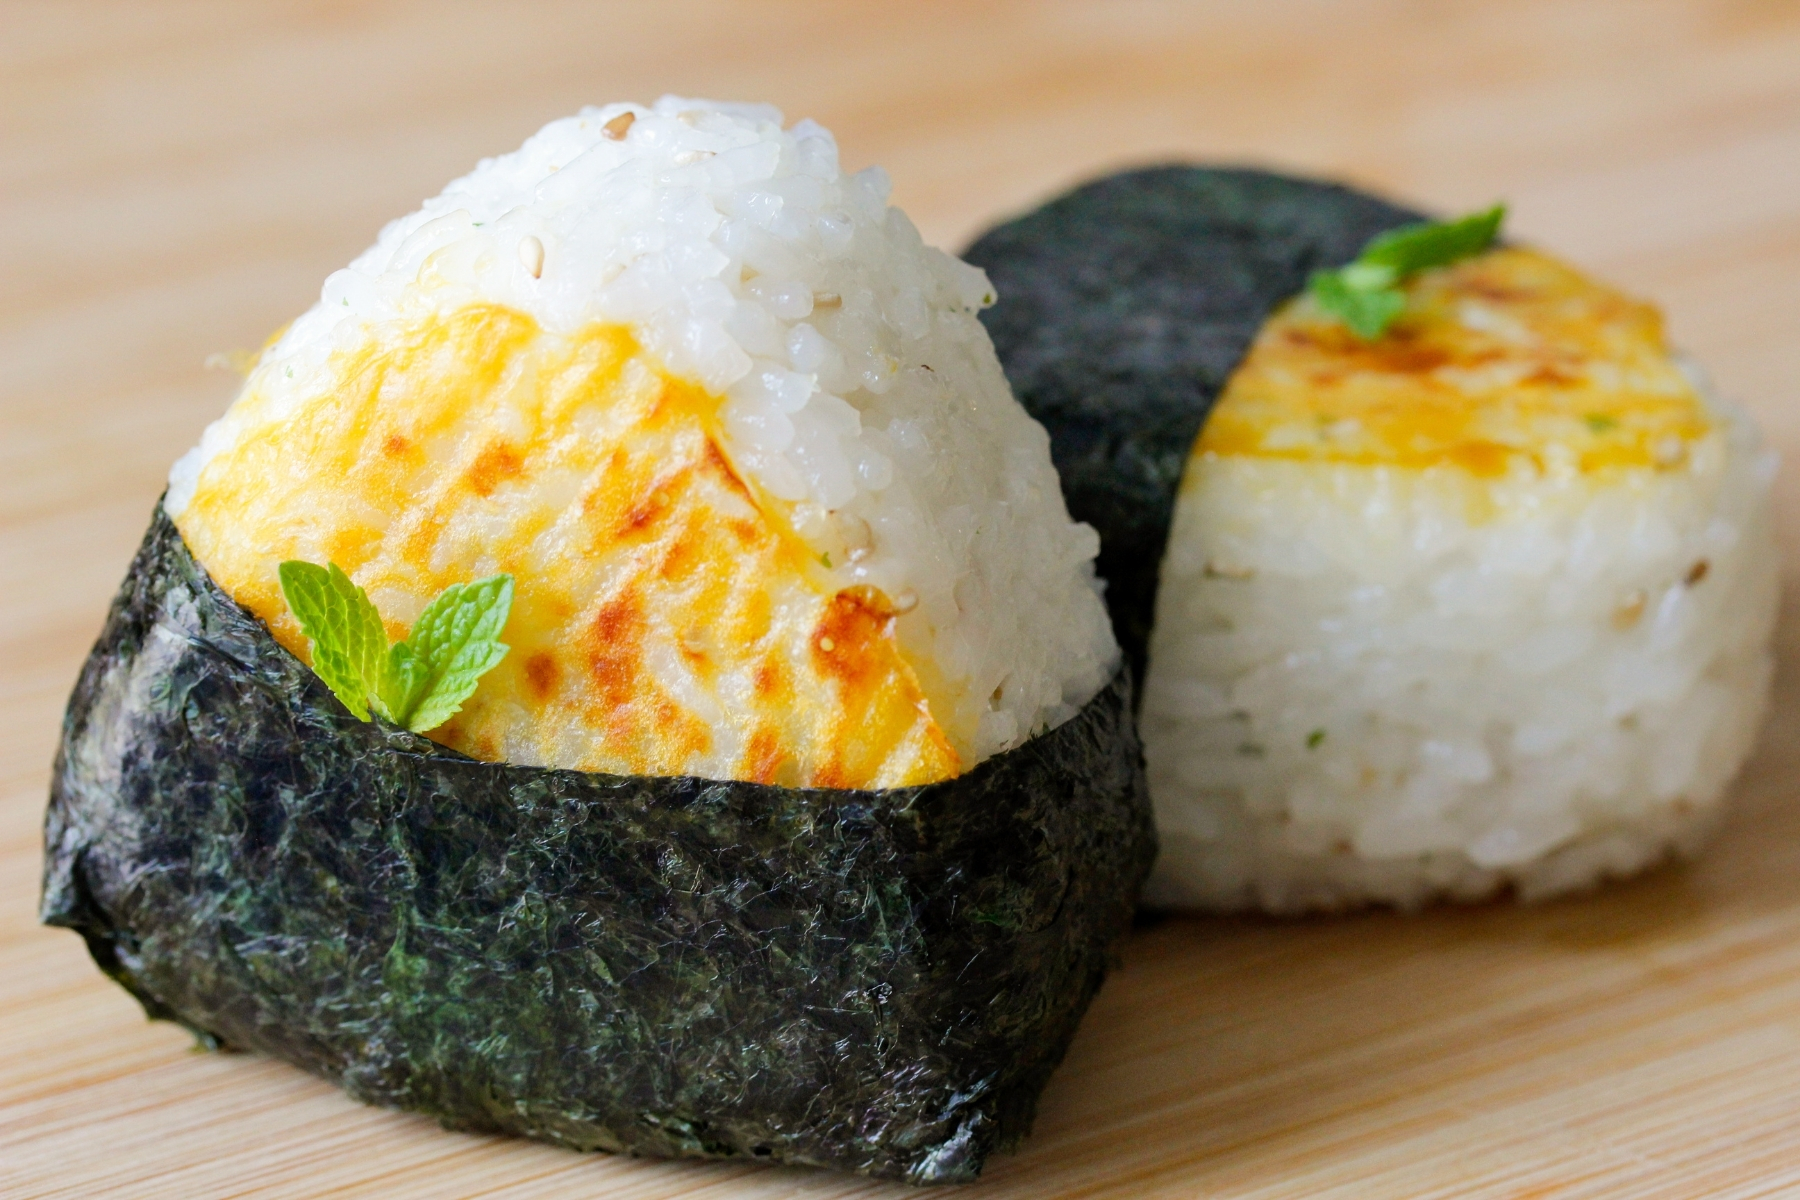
(877, 981)
(1124, 307)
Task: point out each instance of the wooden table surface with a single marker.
(178, 178)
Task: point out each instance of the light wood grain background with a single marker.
(177, 178)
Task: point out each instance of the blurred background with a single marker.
(177, 178)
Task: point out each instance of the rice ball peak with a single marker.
(771, 509)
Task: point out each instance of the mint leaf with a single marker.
(349, 644)
(1430, 244)
(402, 686)
(1365, 295)
(1362, 276)
(419, 683)
(455, 641)
(1367, 312)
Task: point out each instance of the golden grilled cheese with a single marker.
(667, 617)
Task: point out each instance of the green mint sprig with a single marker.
(1366, 295)
(419, 683)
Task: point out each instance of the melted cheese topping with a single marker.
(1511, 361)
(667, 619)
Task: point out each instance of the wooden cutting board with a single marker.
(178, 178)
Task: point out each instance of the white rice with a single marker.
(1357, 694)
(861, 387)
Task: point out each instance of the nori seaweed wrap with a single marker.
(877, 981)
(779, 827)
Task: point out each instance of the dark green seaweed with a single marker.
(874, 981)
(1124, 307)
